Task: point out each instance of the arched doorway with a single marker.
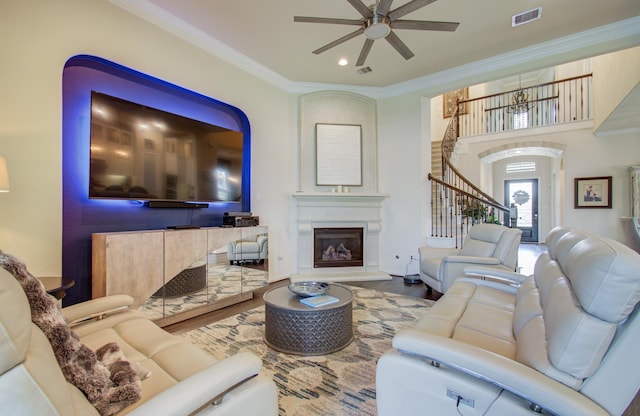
(537, 167)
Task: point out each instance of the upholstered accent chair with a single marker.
(489, 245)
(255, 251)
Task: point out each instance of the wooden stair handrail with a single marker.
(447, 161)
(469, 195)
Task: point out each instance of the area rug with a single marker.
(342, 383)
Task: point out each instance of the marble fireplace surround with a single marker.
(326, 210)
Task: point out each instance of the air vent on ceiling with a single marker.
(526, 17)
(364, 70)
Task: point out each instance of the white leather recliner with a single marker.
(562, 341)
(244, 250)
(184, 379)
(490, 245)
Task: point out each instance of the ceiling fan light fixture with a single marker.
(377, 27)
(375, 24)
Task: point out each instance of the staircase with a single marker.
(436, 159)
(456, 203)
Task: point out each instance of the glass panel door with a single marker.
(522, 197)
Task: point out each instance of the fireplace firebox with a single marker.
(337, 247)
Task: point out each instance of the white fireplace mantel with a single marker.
(339, 196)
(333, 209)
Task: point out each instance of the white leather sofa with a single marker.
(490, 245)
(184, 379)
(243, 250)
(562, 341)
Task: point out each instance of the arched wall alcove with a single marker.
(83, 216)
(338, 107)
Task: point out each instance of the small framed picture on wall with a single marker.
(450, 99)
(593, 192)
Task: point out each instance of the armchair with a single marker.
(562, 341)
(489, 245)
(178, 378)
(243, 250)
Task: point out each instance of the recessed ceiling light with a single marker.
(343, 62)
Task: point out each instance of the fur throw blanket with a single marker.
(108, 381)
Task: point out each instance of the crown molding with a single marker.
(608, 38)
(178, 27)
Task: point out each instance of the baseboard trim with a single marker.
(341, 277)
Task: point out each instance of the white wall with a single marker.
(38, 38)
(405, 156)
(585, 155)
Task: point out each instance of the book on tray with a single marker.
(320, 300)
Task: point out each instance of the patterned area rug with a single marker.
(342, 383)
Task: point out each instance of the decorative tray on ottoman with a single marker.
(307, 289)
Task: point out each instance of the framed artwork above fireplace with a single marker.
(338, 154)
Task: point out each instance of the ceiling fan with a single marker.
(377, 22)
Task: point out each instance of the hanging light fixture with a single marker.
(519, 100)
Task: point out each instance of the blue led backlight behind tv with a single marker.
(83, 215)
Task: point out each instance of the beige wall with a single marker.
(404, 151)
(585, 155)
(39, 36)
(37, 39)
(615, 74)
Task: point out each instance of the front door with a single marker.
(522, 196)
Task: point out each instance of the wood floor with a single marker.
(527, 256)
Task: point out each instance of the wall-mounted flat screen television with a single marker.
(143, 153)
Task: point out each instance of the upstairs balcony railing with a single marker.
(557, 102)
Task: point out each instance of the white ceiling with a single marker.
(263, 35)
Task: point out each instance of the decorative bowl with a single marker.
(307, 289)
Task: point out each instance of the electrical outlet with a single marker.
(464, 400)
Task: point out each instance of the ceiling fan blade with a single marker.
(425, 25)
(413, 5)
(383, 7)
(364, 52)
(361, 8)
(339, 41)
(399, 45)
(304, 19)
